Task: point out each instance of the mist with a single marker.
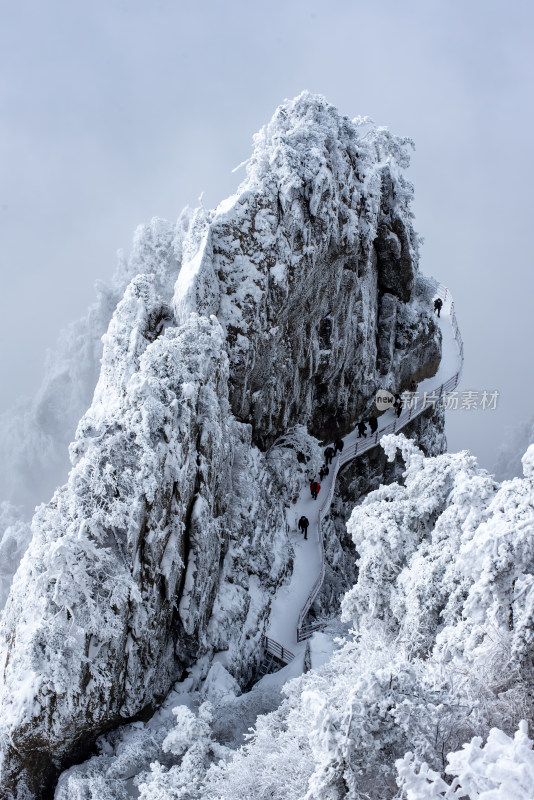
(115, 112)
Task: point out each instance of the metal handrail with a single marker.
(278, 650)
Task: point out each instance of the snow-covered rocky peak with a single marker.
(310, 269)
(243, 333)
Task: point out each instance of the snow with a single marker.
(441, 606)
(322, 648)
(168, 494)
(503, 769)
(219, 685)
(184, 304)
(291, 597)
(226, 205)
(528, 462)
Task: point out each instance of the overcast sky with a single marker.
(114, 111)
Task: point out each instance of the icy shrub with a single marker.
(502, 769)
(191, 740)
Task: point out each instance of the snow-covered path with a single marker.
(292, 601)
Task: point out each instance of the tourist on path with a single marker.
(315, 488)
(303, 525)
(361, 429)
(328, 456)
(373, 424)
(438, 305)
(339, 444)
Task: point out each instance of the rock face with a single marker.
(293, 302)
(317, 254)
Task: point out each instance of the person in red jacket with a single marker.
(315, 488)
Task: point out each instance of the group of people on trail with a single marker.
(339, 444)
(329, 454)
(362, 429)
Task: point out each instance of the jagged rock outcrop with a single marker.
(293, 302)
(316, 252)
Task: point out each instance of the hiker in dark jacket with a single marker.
(438, 305)
(303, 525)
(315, 488)
(373, 424)
(361, 429)
(322, 472)
(339, 444)
(397, 405)
(328, 456)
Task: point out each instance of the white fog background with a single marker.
(116, 111)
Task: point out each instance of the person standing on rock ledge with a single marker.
(303, 525)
